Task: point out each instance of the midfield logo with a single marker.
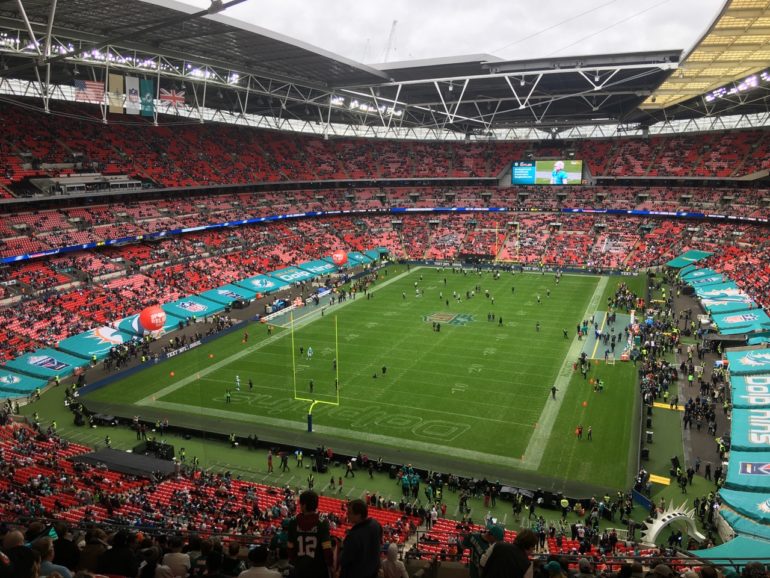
(449, 318)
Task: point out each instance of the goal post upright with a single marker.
(293, 361)
(311, 401)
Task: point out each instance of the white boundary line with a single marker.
(302, 321)
(533, 455)
(430, 447)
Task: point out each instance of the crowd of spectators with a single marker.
(180, 155)
(70, 294)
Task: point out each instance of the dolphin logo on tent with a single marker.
(755, 359)
(106, 335)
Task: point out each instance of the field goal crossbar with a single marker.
(314, 402)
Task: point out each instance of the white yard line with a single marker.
(541, 434)
(430, 447)
(300, 322)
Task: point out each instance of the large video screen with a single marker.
(567, 172)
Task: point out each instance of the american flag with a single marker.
(172, 96)
(89, 91)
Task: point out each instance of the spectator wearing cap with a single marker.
(258, 560)
(554, 569)
(494, 535)
(478, 545)
(45, 547)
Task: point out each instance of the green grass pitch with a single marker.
(476, 391)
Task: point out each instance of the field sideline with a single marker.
(476, 390)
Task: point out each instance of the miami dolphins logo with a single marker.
(764, 506)
(756, 359)
(106, 335)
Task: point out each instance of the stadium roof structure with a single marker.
(736, 46)
(230, 71)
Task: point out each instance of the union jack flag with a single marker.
(173, 97)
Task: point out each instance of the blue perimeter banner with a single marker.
(755, 505)
(748, 361)
(706, 280)
(96, 341)
(12, 384)
(292, 275)
(226, 294)
(688, 258)
(131, 325)
(750, 391)
(319, 267)
(741, 322)
(728, 304)
(750, 431)
(192, 306)
(262, 284)
(46, 363)
(749, 471)
(726, 288)
(359, 258)
(697, 274)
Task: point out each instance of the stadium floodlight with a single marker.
(522, 81)
(596, 77)
(451, 88)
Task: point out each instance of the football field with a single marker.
(477, 390)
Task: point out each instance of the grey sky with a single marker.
(359, 29)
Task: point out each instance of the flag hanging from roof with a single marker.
(173, 97)
(133, 102)
(89, 91)
(147, 92)
(115, 96)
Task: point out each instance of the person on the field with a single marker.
(309, 540)
(237, 383)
